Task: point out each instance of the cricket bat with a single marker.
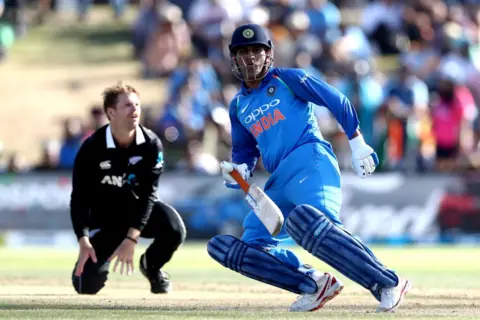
(265, 209)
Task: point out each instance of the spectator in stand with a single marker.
(7, 33)
(72, 139)
(406, 101)
(453, 114)
(50, 155)
(382, 22)
(3, 163)
(168, 45)
(97, 120)
(207, 18)
(16, 164)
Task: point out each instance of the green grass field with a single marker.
(35, 284)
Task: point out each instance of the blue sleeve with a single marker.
(244, 145)
(311, 89)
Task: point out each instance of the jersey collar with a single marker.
(264, 82)
(139, 137)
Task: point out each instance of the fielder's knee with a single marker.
(178, 232)
(173, 239)
(181, 233)
(88, 284)
(91, 281)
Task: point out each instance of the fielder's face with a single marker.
(251, 61)
(127, 111)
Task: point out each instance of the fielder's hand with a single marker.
(124, 254)
(228, 167)
(364, 158)
(86, 252)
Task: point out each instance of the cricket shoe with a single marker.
(328, 288)
(159, 280)
(391, 298)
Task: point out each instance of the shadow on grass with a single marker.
(101, 35)
(364, 308)
(96, 44)
(80, 307)
(99, 44)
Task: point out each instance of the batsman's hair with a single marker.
(111, 94)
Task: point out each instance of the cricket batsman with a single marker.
(272, 116)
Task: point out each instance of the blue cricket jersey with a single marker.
(278, 116)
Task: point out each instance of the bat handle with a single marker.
(241, 182)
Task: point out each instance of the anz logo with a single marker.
(116, 181)
(119, 181)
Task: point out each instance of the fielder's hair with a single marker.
(110, 94)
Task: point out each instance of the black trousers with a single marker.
(165, 226)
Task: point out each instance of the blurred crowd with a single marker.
(57, 154)
(411, 69)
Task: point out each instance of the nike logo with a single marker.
(243, 110)
(303, 179)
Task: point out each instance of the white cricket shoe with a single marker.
(328, 288)
(391, 298)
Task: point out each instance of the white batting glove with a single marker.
(227, 167)
(364, 158)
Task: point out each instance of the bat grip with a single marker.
(241, 182)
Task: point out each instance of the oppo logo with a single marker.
(260, 111)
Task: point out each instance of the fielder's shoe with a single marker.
(159, 280)
(328, 288)
(391, 298)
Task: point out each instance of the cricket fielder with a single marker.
(114, 199)
(272, 117)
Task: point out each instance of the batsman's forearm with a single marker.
(244, 146)
(355, 134)
(250, 162)
(249, 157)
